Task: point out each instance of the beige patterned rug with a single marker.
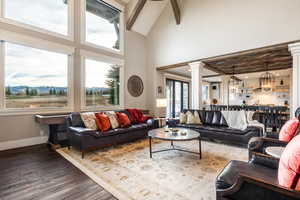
(128, 172)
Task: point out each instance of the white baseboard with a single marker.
(22, 143)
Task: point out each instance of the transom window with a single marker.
(102, 24)
(51, 15)
(102, 84)
(34, 78)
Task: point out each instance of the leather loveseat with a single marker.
(84, 139)
(215, 128)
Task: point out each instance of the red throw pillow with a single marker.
(102, 121)
(123, 120)
(138, 116)
(289, 166)
(289, 130)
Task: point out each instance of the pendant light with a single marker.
(267, 80)
(234, 82)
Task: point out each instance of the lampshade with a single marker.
(161, 103)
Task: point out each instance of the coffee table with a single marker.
(161, 134)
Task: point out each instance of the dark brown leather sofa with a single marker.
(215, 128)
(84, 139)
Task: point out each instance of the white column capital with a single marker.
(295, 49)
(197, 64)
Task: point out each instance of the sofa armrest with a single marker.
(265, 160)
(153, 123)
(173, 122)
(249, 188)
(258, 144)
(257, 154)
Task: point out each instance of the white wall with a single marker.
(216, 27)
(135, 64)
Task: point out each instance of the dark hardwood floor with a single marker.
(36, 173)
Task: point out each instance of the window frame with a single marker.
(71, 16)
(122, 28)
(100, 58)
(42, 45)
(182, 82)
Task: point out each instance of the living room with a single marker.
(86, 110)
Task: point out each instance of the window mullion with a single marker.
(2, 78)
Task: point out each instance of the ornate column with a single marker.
(295, 101)
(197, 73)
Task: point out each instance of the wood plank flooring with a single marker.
(36, 173)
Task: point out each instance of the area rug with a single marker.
(128, 172)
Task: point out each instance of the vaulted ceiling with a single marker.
(142, 14)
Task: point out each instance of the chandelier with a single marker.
(234, 82)
(267, 80)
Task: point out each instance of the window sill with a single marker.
(101, 108)
(13, 112)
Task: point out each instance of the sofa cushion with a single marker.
(230, 174)
(289, 129)
(138, 126)
(88, 119)
(192, 126)
(289, 165)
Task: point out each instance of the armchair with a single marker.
(248, 180)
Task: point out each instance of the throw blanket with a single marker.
(236, 119)
(137, 116)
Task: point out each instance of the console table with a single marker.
(57, 128)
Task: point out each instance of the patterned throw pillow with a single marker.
(88, 119)
(113, 119)
(182, 118)
(197, 119)
(123, 120)
(102, 121)
(190, 118)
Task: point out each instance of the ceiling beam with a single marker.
(135, 13)
(176, 11)
(230, 55)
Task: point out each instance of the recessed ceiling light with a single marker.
(189, 70)
(246, 77)
(277, 74)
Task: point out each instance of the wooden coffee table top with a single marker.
(182, 134)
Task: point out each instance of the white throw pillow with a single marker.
(190, 118)
(88, 119)
(113, 119)
(182, 118)
(249, 116)
(197, 119)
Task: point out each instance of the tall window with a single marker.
(102, 84)
(34, 78)
(177, 97)
(51, 15)
(205, 93)
(102, 24)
